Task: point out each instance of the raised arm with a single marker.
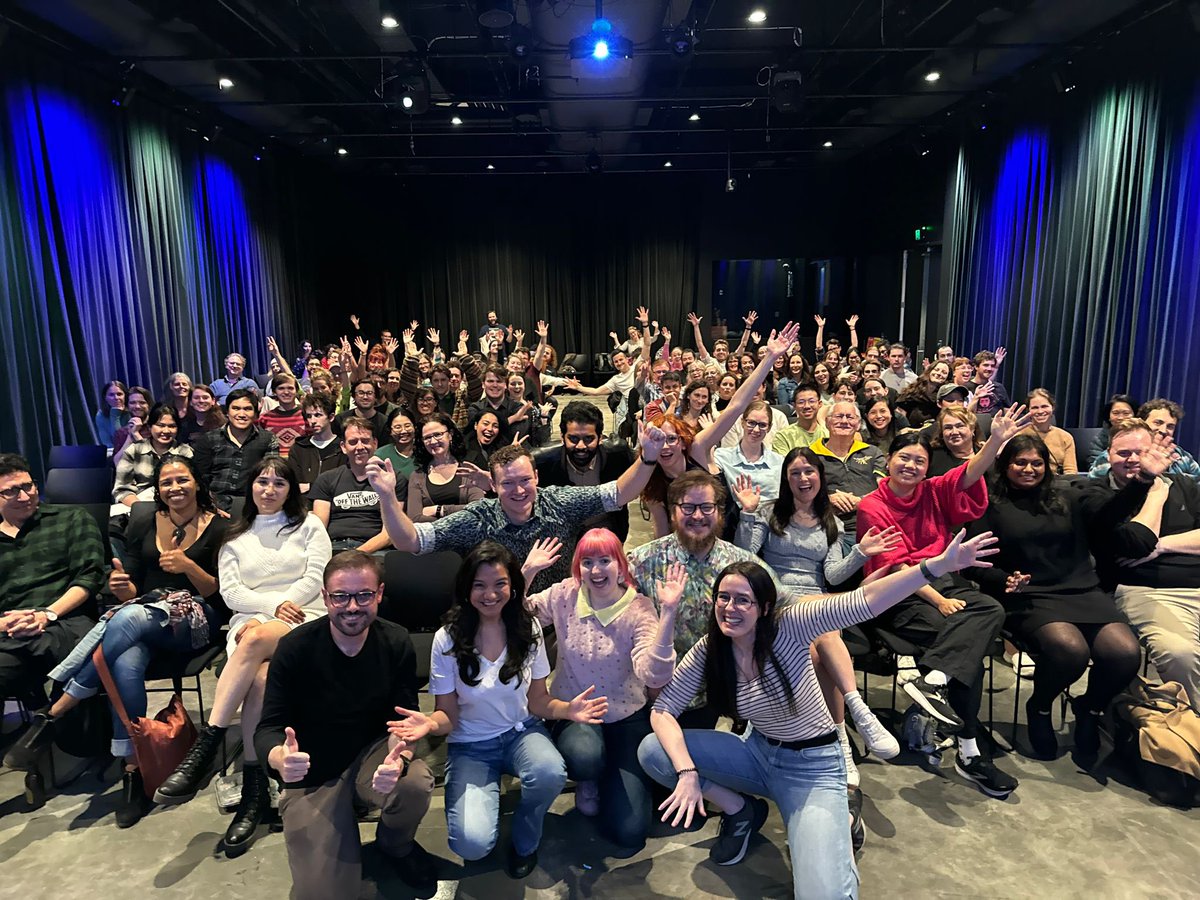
(539, 354)
(273, 349)
(701, 350)
(396, 524)
(633, 480)
(749, 319)
(1005, 426)
(853, 323)
(665, 352)
(643, 317)
(820, 344)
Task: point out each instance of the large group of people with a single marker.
(792, 492)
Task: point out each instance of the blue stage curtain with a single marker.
(130, 248)
(1077, 246)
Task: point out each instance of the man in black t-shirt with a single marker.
(343, 500)
(333, 686)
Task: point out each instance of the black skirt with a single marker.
(1030, 610)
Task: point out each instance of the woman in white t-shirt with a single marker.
(488, 676)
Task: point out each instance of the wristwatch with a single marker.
(51, 615)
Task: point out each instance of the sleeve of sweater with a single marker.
(418, 497)
(652, 670)
(959, 505)
(231, 570)
(542, 603)
(752, 530)
(306, 590)
(838, 565)
(1108, 513)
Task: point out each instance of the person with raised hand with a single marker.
(754, 663)
(333, 685)
(488, 675)
(608, 636)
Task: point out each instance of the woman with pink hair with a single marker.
(609, 637)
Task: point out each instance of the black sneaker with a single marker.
(417, 868)
(520, 864)
(858, 833)
(986, 776)
(932, 699)
(736, 830)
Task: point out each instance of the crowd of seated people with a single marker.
(791, 492)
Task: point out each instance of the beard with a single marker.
(583, 458)
(699, 546)
(355, 626)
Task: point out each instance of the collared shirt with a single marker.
(795, 436)
(607, 615)
(225, 465)
(135, 468)
(858, 473)
(558, 511)
(59, 547)
(764, 471)
(221, 388)
(649, 564)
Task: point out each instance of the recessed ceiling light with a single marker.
(827, 144)
(694, 117)
(757, 17)
(490, 167)
(667, 164)
(455, 121)
(406, 101)
(933, 76)
(342, 151)
(389, 21)
(224, 83)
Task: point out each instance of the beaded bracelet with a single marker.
(680, 772)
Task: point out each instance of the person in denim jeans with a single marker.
(608, 635)
(755, 664)
(488, 677)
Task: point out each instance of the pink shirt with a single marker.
(926, 518)
(617, 658)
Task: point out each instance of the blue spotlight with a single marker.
(600, 50)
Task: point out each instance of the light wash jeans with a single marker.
(473, 771)
(808, 786)
(132, 637)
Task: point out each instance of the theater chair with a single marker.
(1084, 438)
(417, 591)
(84, 456)
(80, 486)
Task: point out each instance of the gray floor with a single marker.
(1065, 833)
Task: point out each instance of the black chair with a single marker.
(81, 486)
(417, 592)
(1084, 438)
(85, 456)
(176, 667)
(99, 512)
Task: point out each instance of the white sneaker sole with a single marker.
(922, 700)
(999, 795)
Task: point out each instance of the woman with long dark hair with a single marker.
(488, 676)
(799, 536)
(435, 488)
(1118, 408)
(754, 664)
(1045, 578)
(271, 566)
(138, 464)
(204, 414)
(172, 550)
(112, 414)
(138, 402)
(880, 426)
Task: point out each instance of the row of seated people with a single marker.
(903, 540)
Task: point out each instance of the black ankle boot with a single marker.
(134, 802)
(256, 800)
(1087, 729)
(1041, 732)
(33, 744)
(193, 773)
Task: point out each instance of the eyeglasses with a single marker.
(741, 604)
(757, 426)
(370, 393)
(341, 599)
(435, 435)
(671, 440)
(689, 509)
(27, 487)
(843, 417)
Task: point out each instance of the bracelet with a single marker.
(439, 511)
(679, 772)
(924, 567)
(649, 462)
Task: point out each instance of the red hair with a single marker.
(601, 542)
(656, 489)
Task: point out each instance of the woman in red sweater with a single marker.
(954, 623)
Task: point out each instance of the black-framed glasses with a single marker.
(341, 599)
(434, 435)
(757, 426)
(689, 509)
(742, 604)
(25, 487)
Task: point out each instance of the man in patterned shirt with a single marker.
(521, 514)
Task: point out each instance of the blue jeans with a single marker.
(473, 771)
(808, 786)
(133, 636)
(608, 755)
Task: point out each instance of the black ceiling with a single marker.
(314, 75)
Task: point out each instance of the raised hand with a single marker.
(756, 337)
(355, 322)
(704, 421)
(778, 342)
(1157, 458)
(747, 493)
(750, 318)
(434, 336)
(652, 439)
(464, 335)
(271, 345)
(361, 343)
(509, 331)
(853, 322)
(820, 321)
(961, 554)
(119, 581)
(387, 773)
(414, 325)
(519, 335)
(643, 316)
(694, 319)
(293, 764)
(613, 335)
(381, 476)
(877, 540)
(411, 726)
(1001, 355)
(925, 364)
(542, 329)
(408, 334)
(1009, 422)
(1015, 582)
(669, 592)
(542, 555)
(666, 333)
(587, 709)
(475, 475)
(391, 345)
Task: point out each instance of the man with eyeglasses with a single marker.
(364, 396)
(522, 513)
(51, 565)
(333, 686)
(234, 378)
(852, 466)
(808, 427)
(343, 500)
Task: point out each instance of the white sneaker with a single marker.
(906, 669)
(1021, 663)
(876, 738)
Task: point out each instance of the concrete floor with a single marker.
(1065, 833)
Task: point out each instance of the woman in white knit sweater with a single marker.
(270, 571)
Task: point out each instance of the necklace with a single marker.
(179, 531)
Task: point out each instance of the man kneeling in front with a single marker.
(333, 685)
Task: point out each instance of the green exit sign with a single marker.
(925, 233)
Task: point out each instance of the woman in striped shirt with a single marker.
(760, 669)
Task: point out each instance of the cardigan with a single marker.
(419, 497)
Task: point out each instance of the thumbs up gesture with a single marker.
(390, 771)
(119, 582)
(290, 763)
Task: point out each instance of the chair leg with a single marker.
(200, 700)
(1016, 706)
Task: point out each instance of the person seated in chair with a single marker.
(234, 379)
(51, 566)
(344, 501)
(271, 565)
(585, 459)
(319, 450)
(171, 549)
(137, 465)
(225, 457)
(1161, 417)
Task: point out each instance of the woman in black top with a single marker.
(171, 549)
(1045, 578)
(955, 440)
(483, 439)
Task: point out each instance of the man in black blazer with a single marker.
(583, 459)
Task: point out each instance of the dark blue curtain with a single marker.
(1078, 247)
(129, 248)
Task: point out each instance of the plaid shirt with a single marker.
(135, 468)
(58, 548)
(649, 563)
(558, 511)
(225, 465)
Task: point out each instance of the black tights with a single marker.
(1061, 651)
